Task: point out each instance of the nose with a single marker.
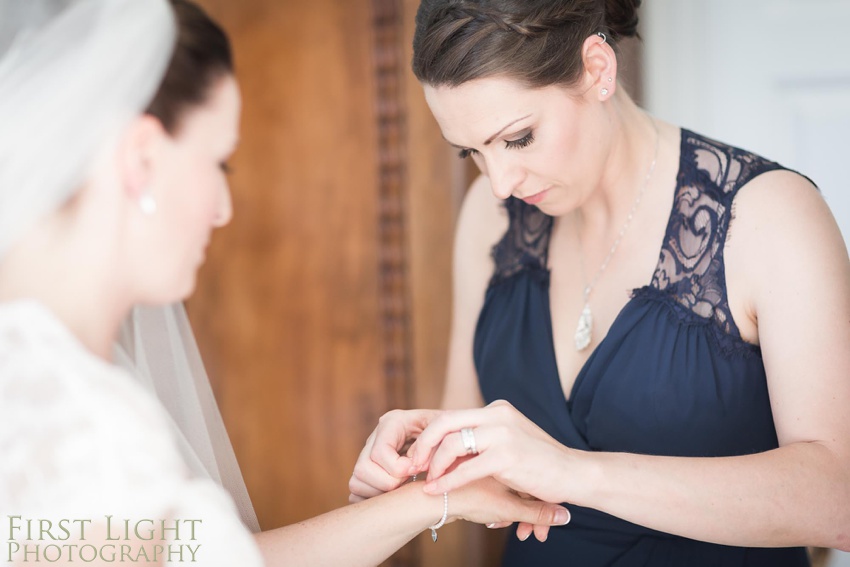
(225, 207)
(505, 177)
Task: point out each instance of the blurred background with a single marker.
(326, 302)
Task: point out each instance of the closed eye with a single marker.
(523, 142)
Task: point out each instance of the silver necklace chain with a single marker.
(585, 325)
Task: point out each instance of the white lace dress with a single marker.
(86, 448)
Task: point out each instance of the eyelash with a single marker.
(523, 142)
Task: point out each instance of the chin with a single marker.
(558, 208)
(189, 288)
(180, 290)
(552, 210)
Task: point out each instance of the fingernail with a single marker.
(491, 526)
(431, 488)
(525, 537)
(412, 470)
(562, 516)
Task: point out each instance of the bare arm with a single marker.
(798, 289)
(368, 532)
(481, 223)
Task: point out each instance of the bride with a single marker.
(118, 117)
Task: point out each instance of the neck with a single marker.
(72, 282)
(633, 144)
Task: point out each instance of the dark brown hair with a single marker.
(537, 42)
(202, 56)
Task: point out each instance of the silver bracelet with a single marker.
(442, 521)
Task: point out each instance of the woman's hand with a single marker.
(510, 448)
(490, 502)
(382, 465)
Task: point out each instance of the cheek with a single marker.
(565, 154)
(201, 183)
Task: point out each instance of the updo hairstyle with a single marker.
(537, 42)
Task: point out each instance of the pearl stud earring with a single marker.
(148, 204)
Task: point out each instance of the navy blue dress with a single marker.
(672, 377)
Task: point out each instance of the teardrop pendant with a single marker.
(584, 330)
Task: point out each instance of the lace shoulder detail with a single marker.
(81, 439)
(690, 268)
(525, 245)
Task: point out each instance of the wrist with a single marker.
(429, 507)
(586, 477)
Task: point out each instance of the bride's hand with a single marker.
(489, 502)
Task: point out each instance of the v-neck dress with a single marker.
(672, 377)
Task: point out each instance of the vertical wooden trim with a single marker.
(393, 272)
(392, 208)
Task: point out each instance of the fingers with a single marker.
(476, 468)
(541, 532)
(523, 530)
(378, 482)
(548, 515)
(453, 421)
(369, 478)
(386, 457)
(387, 442)
(381, 466)
(499, 525)
(540, 513)
(450, 450)
(439, 427)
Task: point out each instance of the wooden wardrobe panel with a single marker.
(327, 300)
(286, 311)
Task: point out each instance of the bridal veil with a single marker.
(73, 73)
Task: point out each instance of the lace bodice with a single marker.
(690, 270)
(80, 439)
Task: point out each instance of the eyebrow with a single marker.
(505, 127)
(496, 135)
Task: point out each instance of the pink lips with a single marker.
(536, 198)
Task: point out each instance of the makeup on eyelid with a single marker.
(519, 143)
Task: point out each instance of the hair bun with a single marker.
(621, 17)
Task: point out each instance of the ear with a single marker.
(600, 68)
(138, 154)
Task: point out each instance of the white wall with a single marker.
(771, 76)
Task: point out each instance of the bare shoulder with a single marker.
(780, 216)
(784, 242)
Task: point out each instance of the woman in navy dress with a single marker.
(658, 322)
